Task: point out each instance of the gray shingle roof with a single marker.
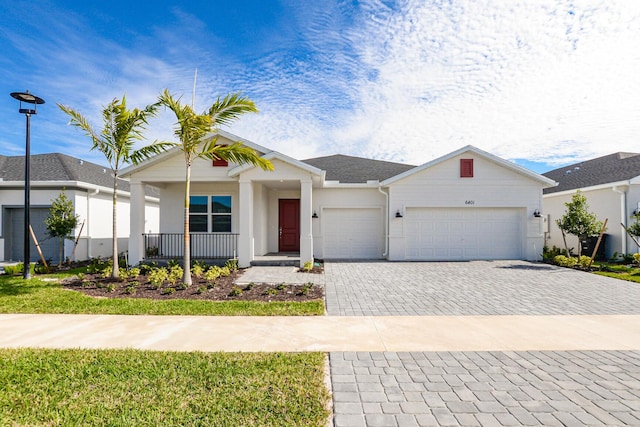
(603, 170)
(349, 169)
(58, 167)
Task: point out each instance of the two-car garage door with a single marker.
(431, 234)
(463, 233)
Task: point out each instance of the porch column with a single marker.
(136, 225)
(245, 239)
(306, 235)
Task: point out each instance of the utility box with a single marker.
(588, 245)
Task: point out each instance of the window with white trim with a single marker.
(210, 214)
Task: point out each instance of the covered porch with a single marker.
(246, 215)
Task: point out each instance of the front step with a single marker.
(275, 263)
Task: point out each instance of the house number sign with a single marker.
(469, 202)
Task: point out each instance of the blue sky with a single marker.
(540, 82)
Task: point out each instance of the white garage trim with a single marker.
(453, 234)
(352, 233)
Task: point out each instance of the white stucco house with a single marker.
(466, 205)
(611, 185)
(87, 185)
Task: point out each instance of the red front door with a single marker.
(289, 225)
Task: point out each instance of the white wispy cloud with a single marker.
(548, 81)
(544, 81)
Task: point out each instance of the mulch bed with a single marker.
(98, 286)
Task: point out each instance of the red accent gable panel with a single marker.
(466, 168)
(220, 162)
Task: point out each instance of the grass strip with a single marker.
(39, 296)
(630, 277)
(147, 388)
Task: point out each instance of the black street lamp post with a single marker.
(27, 98)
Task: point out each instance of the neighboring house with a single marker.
(87, 185)
(466, 205)
(611, 185)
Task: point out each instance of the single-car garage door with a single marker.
(463, 234)
(352, 233)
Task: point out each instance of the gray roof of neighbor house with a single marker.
(603, 170)
(350, 169)
(58, 167)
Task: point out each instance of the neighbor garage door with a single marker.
(14, 235)
(352, 233)
(463, 234)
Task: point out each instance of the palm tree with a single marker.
(191, 130)
(122, 128)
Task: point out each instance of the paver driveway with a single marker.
(472, 288)
(565, 388)
(550, 388)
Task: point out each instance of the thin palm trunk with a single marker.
(115, 273)
(186, 276)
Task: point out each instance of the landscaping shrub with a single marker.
(212, 274)
(231, 265)
(133, 272)
(584, 261)
(98, 265)
(13, 270)
(306, 288)
(106, 271)
(157, 277)
(175, 274)
(197, 270)
(564, 261)
(235, 292)
(549, 254)
(147, 266)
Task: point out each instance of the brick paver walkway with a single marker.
(290, 275)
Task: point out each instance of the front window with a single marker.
(221, 214)
(210, 214)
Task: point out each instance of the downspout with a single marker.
(386, 222)
(623, 216)
(89, 194)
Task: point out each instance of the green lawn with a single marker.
(626, 272)
(631, 276)
(39, 296)
(143, 388)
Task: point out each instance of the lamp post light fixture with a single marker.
(27, 98)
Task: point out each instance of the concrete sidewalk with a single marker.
(322, 333)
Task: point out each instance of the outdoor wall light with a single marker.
(398, 214)
(537, 213)
(27, 98)
(315, 215)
